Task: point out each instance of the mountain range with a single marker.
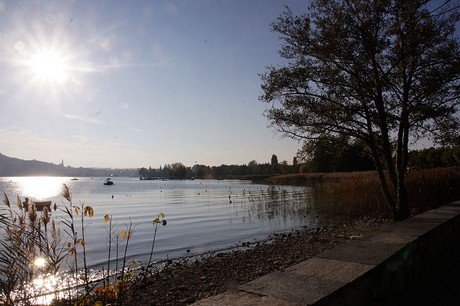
(10, 166)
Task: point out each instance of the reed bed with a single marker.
(350, 194)
(34, 247)
(359, 193)
(431, 188)
(306, 179)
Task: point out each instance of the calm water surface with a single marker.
(202, 215)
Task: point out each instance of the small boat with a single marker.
(108, 182)
(39, 205)
(74, 179)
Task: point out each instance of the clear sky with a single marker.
(125, 84)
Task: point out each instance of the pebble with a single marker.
(187, 281)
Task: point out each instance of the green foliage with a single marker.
(335, 155)
(143, 173)
(435, 157)
(274, 160)
(202, 172)
(179, 171)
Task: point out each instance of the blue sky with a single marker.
(138, 83)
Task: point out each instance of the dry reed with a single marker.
(359, 193)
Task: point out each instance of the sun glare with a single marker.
(49, 66)
(40, 188)
(40, 262)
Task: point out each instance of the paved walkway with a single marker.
(382, 268)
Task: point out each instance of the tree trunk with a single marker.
(401, 210)
(395, 192)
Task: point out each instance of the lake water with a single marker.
(202, 215)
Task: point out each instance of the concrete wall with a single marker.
(426, 242)
(381, 268)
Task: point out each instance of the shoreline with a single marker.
(187, 280)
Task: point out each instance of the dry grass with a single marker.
(351, 194)
(359, 193)
(431, 188)
(307, 179)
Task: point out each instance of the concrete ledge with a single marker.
(374, 270)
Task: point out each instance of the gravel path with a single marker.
(183, 282)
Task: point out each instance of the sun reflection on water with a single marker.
(48, 287)
(39, 187)
(44, 287)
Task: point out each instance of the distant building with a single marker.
(62, 163)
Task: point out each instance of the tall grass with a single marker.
(30, 237)
(359, 193)
(351, 194)
(431, 188)
(26, 249)
(306, 179)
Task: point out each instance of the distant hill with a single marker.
(10, 166)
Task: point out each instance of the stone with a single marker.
(363, 252)
(243, 299)
(330, 269)
(292, 287)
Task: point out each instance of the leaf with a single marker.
(157, 219)
(89, 211)
(106, 218)
(123, 234)
(76, 209)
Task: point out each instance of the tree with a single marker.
(435, 157)
(275, 167)
(384, 72)
(143, 172)
(274, 160)
(336, 155)
(177, 171)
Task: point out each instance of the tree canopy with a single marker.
(338, 155)
(384, 72)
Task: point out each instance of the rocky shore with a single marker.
(185, 281)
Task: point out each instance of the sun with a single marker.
(49, 66)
